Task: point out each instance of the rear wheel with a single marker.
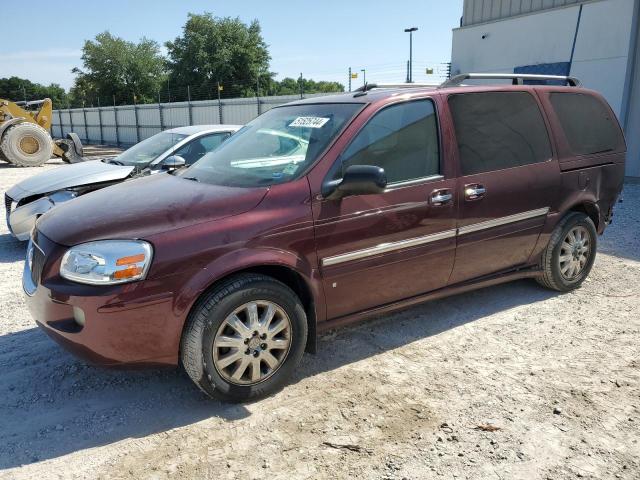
(244, 339)
(569, 256)
(27, 145)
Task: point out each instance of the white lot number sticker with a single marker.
(309, 122)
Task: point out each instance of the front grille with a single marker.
(37, 263)
(8, 201)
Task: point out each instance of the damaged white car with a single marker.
(167, 150)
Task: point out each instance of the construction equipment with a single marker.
(24, 135)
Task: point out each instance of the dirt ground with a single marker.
(512, 381)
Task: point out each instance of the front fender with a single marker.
(23, 218)
(245, 259)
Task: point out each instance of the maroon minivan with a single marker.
(321, 212)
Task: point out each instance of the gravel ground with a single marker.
(507, 382)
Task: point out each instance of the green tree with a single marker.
(213, 49)
(291, 86)
(116, 67)
(17, 89)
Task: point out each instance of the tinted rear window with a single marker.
(587, 123)
(498, 130)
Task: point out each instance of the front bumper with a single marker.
(122, 325)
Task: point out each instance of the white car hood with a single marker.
(68, 176)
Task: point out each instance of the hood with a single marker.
(144, 206)
(75, 175)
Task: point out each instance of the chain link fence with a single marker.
(128, 124)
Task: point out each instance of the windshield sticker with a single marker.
(309, 122)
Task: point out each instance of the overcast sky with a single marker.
(321, 39)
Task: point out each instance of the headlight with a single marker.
(107, 262)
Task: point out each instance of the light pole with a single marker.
(364, 76)
(410, 72)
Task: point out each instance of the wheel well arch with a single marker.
(292, 279)
(590, 209)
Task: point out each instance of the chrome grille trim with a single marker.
(475, 227)
(387, 247)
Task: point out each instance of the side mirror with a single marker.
(173, 162)
(357, 180)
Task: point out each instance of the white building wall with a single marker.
(602, 48)
(544, 37)
(601, 52)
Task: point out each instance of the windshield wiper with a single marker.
(115, 162)
(193, 179)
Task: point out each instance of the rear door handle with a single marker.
(440, 197)
(474, 191)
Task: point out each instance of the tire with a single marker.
(212, 318)
(27, 145)
(564, 268)
(3, 158)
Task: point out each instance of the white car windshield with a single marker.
(275, 147)
(145, 152)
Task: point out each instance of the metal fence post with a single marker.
(100, 122)
(301, 86)
(70, 119)
(219, 104)
(258, 92)
(61, 128)
(86, 127)
(189, 107)
(135, 116)
(115, 119)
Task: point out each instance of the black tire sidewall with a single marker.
(260, 290)
(574, 221)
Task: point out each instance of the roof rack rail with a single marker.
(371, 86)
(516, 78)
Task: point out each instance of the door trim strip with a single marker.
(387, 247)
(434, 237)
(475, 227)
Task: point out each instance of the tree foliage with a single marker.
(291, 86)
(116, 67)
(16, 89)
(213, 49)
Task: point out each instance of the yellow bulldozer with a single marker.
(24, 135)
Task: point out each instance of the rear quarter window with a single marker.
(498, 130)
(588, 125)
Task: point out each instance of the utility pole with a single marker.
(349, 78)
(364, 76)
(410, 73)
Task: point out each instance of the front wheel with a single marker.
(243, 340)
(570, 253)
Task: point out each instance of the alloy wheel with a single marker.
(252, 343)
(575, 252)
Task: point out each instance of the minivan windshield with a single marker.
(145, 152)
(274, 148)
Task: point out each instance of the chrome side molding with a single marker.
(475, 227)
(387, 247)
(434, 237)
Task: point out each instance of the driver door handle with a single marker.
(440, 197)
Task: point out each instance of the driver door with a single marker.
(380, 248)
